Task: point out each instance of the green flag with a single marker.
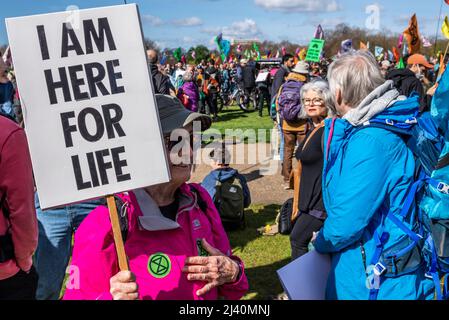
(256, 47)
(401, 64)
(177, 54)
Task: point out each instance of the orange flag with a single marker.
(412, 36)
(396, 54)
(363, 46)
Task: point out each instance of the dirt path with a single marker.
(265, 188)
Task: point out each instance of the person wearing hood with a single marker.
(413, 79)
(188, 93)
(161, 82)
(175, 242)
(367, 174)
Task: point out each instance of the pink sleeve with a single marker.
(16, 180)
(231, 291)
(94, 259)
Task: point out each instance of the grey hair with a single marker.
(188, 76)
(356, 74)
(320, 87)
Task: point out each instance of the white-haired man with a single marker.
(367, 175)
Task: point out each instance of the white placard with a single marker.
(90, 113)
(262, 76)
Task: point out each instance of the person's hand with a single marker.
(432, 90)
(216, 269)
(124, 286)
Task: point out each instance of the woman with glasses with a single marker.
(175, 242)
(308, 208)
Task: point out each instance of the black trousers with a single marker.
(22, 286)
(302, 233)
(264, 97)
(212, 100)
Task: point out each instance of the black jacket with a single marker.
(249, 76)
(406, 82)
(161, 83)
(279, 79)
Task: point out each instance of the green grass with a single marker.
(262, 255)
(233, 117)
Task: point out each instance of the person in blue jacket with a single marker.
(220, 159)
(367, 174)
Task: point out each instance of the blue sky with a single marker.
(173, 23)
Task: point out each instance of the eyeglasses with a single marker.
(316, 101)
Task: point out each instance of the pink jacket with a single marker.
(16, 187)
(150, 237)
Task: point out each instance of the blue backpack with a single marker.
(289, 100)
(425, 210)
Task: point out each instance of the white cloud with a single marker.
(152, 20)
(299, 5)
(188, 22)
(247, 28)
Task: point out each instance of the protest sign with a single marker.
(315, 48)
(89, 107)
(305, 278)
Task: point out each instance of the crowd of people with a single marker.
(350, 186)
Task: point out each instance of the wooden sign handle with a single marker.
(113, 214)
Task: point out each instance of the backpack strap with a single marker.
(297, 176)
(443, 162)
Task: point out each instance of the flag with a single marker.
(426, 43)
(277, 54)
(164, 58)
(396, 54)
(363, 46)
(390, 55)
(183, 59)
(284, 51)
(401, 64)
(268, 53)
(411, 34)
(319, 33)
(297, 51)
(256, 48)
(346, 46)
(442, 65)
(224, 46)
(400, 41)
(177, 54)
(193, 54)
(239, 48)
(405, 50)
(445, 28)
(367, 45)
(303, 54)
(378, 51)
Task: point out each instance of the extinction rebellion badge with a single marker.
(159, 265)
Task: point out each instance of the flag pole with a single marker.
(438, 28)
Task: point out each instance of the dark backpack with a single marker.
(229, 200)
(289, 100)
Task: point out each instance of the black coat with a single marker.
(161, 82)
(249, 77)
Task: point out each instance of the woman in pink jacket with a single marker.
(175, 242)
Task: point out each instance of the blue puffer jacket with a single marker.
(366, 173)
